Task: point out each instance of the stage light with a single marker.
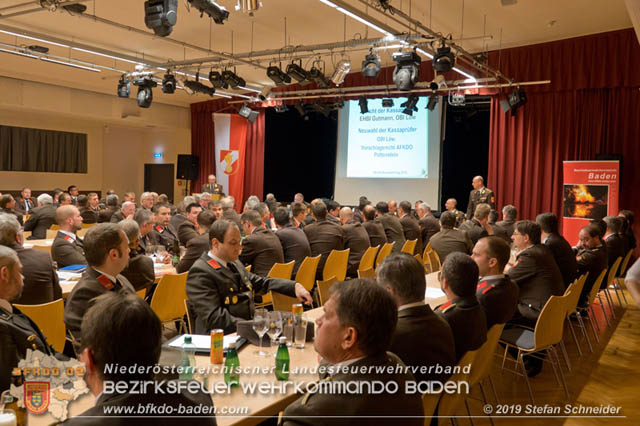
(216, 12)
(281, 108)
(387, 103)
(298, 73)
(517, 98)
(443, 61)
(410, 105)
(340, 73)
(124, 87)
(364, 108)
(145, 94)
(323, 109)
(456, 99)
(216, 80)
(438, 82)
(197, 87)
(407, 70)
(371, 65)
(232, 79)
(264, 93)
(279, 77)
(169, 84)
(433, 101)
(384, 4)
(248, 6)
(301, 110)
(318, 77)
(160, 16)
(248, 113)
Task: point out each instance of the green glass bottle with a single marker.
(187, 359)
(282, 360)
(176, 253)
(231, 365)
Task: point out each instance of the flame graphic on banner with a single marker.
(581, 194)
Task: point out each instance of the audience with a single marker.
(295, 245)
(323, 236)
(591, 256)
(25, 203)
(187, 229)
(429, 225)
(7, 205)
(560, 249)
(377, 237)
(612, 240)
(477, 226)
(198, 245)
(163, 233)
(260, 247)
(127, 211)
(67, 248)
(627, 229)
(139, 270)
(410, 226)
(450, 206)
(508, 222)
(392, 226)
(146, 200)
(298, 213)
(449, 240)
(88, 214)
(498, 231)
(41, 218)
(112, 207)
(356, 240)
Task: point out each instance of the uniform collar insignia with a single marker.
(214, 264)
(105, 282)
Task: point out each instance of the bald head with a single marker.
(477, 182)
(346, 214)
(68, 218)
(451, 204)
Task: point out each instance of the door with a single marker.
(159, 178)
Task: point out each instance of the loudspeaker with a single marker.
(188, 167)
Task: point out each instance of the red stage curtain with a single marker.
(254, 159)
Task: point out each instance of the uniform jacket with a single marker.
(615, 248)
(564, 256)
(195, 247)
(165, 236)
(41, 283)
(468, 323)
(499, 231)
(295, 245)
(498, 296)
(40, 219)
(139, 271)
(357, 240)
(106, 214)
(508, 225)
(323, 237)
(66, 250)
(117, 217)
(261, 250)
(592, 261)
(411, 230)
(474, 230)
(186, 231)
(177, 220)
(221, 298)
(20, 205)
(393, 230)
(450, 240)
(216, 188)
(88, 215)
(377, 237)
(480, 196)
(460, 217)
(144, 241)
(429, 226)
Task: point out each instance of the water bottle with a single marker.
(282, 360)
(231, 365)
(188, 358)
(176, 253)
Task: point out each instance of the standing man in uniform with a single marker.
(451, 205)
(480, 194)
(212, 187)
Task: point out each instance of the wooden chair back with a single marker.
(623, 267)
(168, 298)
(612, 271)
(306, 274)
(550, 324)
(278, 270)
(336, 265)
(282, 302)
(369, 256)
(366, 273)
(49, 317)
(484, 356)
(596, 286)
(434, 261)
(42, 248)
(51, 233)
(384, 252)
(323, 289)
(409, 246)
(187, 309)
(450, 402)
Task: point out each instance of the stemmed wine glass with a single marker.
(274, 325)
(260, 326)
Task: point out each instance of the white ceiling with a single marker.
(308, 22)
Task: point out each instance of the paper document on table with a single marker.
(202, 342)
(69, 276)
(434, 293)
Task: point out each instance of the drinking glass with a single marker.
(260, 326)
(274, 326)
(300, 331)
(288, 324)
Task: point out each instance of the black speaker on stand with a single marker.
(188, 168)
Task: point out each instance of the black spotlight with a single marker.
(516, 99)
(407, 70)
(248, 113)
(216, 12)
(279, 77)
(216, 80)
(169, 83)
(161, 16)
(443, 61)
(371, 65)
(319, 78)
(145, 94)
(363, 105)
(298, 73)
(124, 87)
(233, 80)
(301, 110)
(433, 101)
(387, 103)
(197, 87)
(410, 105)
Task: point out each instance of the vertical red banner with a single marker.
(590, 192)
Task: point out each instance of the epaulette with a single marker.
(214, 264)
(105, 282)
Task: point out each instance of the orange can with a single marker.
(297, 309)
(217, 350)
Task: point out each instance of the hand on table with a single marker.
(302, 294)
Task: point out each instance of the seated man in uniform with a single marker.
(221, 290)
(127, 211)
(323, 236)
(353, 336)
(377, 237)
(41, 218)
(410, 226)
(458, 280)
(295, 245)
(17, 332)
(592, 258)
(163, 232)
(450, 240)
(139, 270)
(429, 225)
(198, 245)
(108, 338)
(87, 213)
(67, 248)
(560, 249)
(478, 225)
(106, 248)
(403, 277)
(508, 222)
(260, 247)
(187, 229)
(356, 240)
(612, 240)
(451, 205)
(497, 294)
(391, 224)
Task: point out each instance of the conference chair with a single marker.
(168, 299)
(590, 311)
(366, 273)
(278, 270)
(54, 227)
(248, 268)
(547, 334)
(449, 402)
(282, 302)
(409, 246)
(81, 233)
(49, 317)
(574, 290)
(336, 265)
(418, 257)
(368, 258)
(51, 234)
(483, 360)
(26, 235)
(42, 248)
(142, 293)
(384, 252)
(611, 279)
(88, 225)
(306, 274)
(323, 289)
(620, 278)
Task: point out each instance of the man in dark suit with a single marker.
(353, 336)
(450, 205)
(221, 290)
(333, 211)
(40, 278)
(41, 218)
(25, 203)
(449, 240)
(212, 187)
(356, 240)
(463, 312)
(139, 270)
(107, 252)
(429, 225)
(478, 226)
(560, 249)
(17, 332)
(497, 294)
(377, 237)
(498, 231)
(295, 245)
(508, 222)
(534, 271)
(88, 215)
(592, 257)
(110, 339)
(410, 226)
(7, 205)
(612, 240)
(260, 248)
(127, 210)
(323, 235)
(163, 232)
(479, 195)
(187, 229)
(392, 226)
(403, 277)
(198, 245)
(67, 247)
(94, 202)
(298, 213)
(104, 216)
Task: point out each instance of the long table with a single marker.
(259, 405)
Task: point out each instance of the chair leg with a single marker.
(583, 328)
(484, 398)
(616, 288)
(553, 365)
(526, 377)
(592, 318)
(566, 355)
(564, 384)
(604, 312)
(495, 395)
(610, 302)
(621, 290)
(504, 357)
(466, 403)
(573, 333)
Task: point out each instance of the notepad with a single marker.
(434, 293)
(74, 268)
(202, 342)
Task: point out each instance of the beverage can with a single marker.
(217, 354)
(297, 309)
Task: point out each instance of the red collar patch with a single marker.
(487, 289)
(214, 264)
(444, 306)
(105, 282)
(69, 238)
(159, 228)
(481, 285)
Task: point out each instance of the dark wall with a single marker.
(465, 150)
(300, 155)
